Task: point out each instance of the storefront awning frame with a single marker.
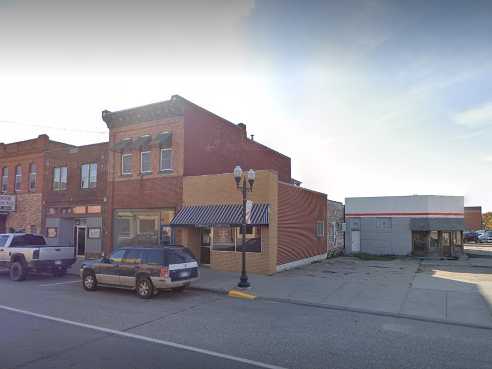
(219, 214)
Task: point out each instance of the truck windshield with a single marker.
(3, 240)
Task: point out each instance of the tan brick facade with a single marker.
(221, 189)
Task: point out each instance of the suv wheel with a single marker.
(144, 287)
(89, 281)
(18, 271)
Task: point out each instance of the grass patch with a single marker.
(364, 256)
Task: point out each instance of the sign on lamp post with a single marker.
(249, 208)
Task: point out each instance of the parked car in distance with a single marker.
(143, 269)
(486, 237)
(470, 236)
(23, 253)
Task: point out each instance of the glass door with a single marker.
(205, 246)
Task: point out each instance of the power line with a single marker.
(52, 127)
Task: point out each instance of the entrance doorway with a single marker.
(3, 221)
(80, 235)
(205, 246)
(355, 241)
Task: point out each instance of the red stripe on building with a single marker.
(405, 214)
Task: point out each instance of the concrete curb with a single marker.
(222, 291)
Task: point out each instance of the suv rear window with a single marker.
(178, 256)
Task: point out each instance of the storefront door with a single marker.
(205, 246)
(3, 220)
(80, 238)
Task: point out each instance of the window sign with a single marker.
(94, 233)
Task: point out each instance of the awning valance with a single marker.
(164, 140)
(122, 145)
(142, 141)
(437, 224)
(210, 215)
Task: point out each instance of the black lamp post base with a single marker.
(243, 283)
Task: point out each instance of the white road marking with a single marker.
(58, 283)
(143, 338)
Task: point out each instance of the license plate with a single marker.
(58, 262)
(184, 274)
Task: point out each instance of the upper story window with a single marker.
(60, 175)
(126, 164)
(166, 160)
(5, 179)
(145, 162)
(33, 170)
(88, 177)
(18, 178)
(320, 229)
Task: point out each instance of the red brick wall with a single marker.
(473, 218)
(73, 158)
(298, 211)
(214, 146)
(148, 193)
(29, 203)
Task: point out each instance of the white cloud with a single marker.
(475, 117)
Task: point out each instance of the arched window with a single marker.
(5, 179)
(33, 171)
(18, 178)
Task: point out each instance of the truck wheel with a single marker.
(89, 281)
(17, 271)
(144, 287)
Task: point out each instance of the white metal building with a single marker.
(405, 225)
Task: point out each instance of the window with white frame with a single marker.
(145, 162)
(88, 175)
(60, 175)
(166, 160)
(18, 178)
(5, 179)
(126, 164)
(320, 229)
(32, 177)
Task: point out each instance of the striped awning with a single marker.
(210, 215)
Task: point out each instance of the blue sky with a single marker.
(366, 97)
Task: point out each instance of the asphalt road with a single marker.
(115, 329)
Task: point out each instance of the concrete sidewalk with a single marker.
(445, 292)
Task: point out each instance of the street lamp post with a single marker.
(250, 178)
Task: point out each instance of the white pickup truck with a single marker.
(23, 253)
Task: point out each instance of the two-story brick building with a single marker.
(22, 169)
(169, 180)
(75, 197)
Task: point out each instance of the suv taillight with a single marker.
(35, 254)
(164, 272)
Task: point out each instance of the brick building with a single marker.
(174, 158)
(22, 169)
(165, 176)
(75, 197)
(473, 218)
